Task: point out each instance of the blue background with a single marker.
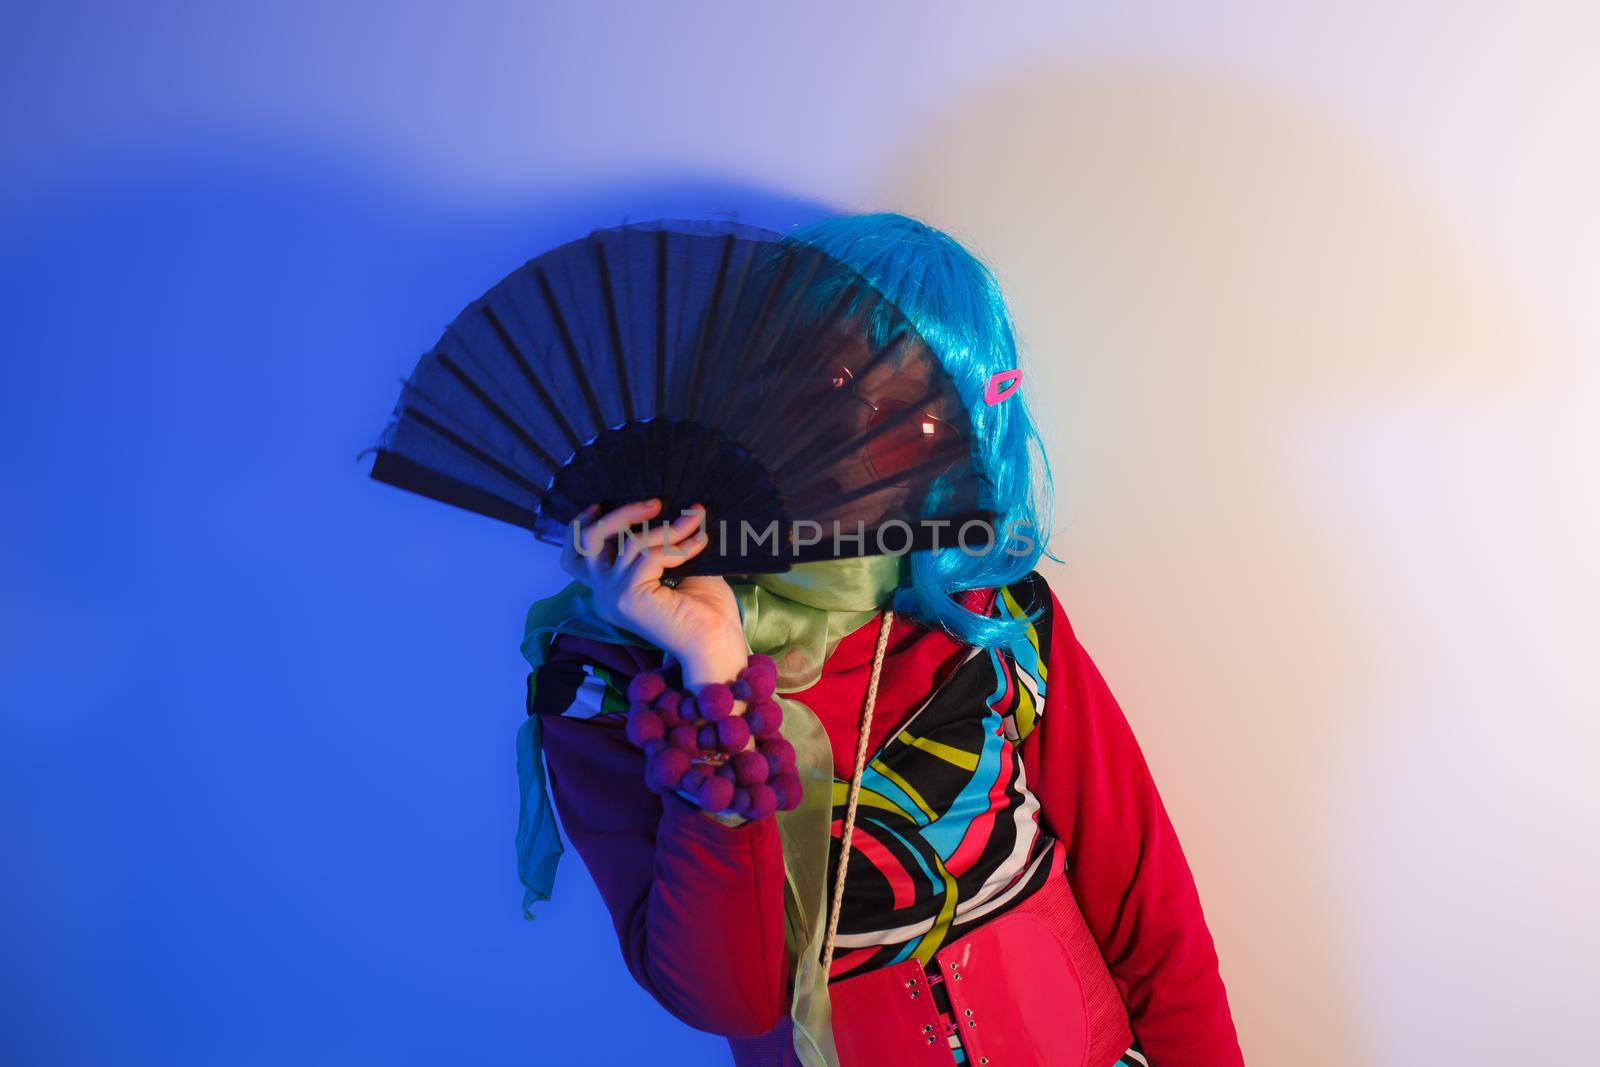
(259, 710)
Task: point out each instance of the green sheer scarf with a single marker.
(798, 618)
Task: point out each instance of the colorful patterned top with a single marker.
(982, 761)
(947, 832)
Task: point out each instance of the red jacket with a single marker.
(698, 906)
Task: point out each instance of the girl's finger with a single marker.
(633, 544)
(691, 521)
(643, 569)
(676, 530)
(607, 526)
(570, 562)
(684, 551)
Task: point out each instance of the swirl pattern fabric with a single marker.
(948, 833)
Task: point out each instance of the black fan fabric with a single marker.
(698, 362)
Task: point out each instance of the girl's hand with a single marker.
(698, 622)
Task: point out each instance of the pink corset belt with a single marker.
(1028, 989)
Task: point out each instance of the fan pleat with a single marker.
(806, 364)
(614, 328)
(552, 410)
(715, 325)
(493, 408)
(784, 460)
(830, 502)
(569, 348)
(801, 466)
(457, 435)
(734, 338)
(477, 453)
(660, 381)
(764, 337)
(771, 437)
(405, 473)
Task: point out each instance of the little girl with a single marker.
(990, 876)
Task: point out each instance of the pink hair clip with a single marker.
(992, 393)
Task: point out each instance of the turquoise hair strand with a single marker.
(954, 301)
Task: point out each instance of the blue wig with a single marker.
(954, 301)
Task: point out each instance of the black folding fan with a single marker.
(699, 362)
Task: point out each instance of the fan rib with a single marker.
(661, 324)
(405, 473)
(777, 386)
(497, 411)
(510, 345)
(678, 464)
(757, 329)
(614, 327)
(832, 402)
(636, 479)
(735, 397)
(934, 464)
(822, 460)
(697, 363)
(758, 440)
(474, 451)
(569, 347)
(784, 454)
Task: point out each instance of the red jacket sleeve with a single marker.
(1125, 865)
(697, 904)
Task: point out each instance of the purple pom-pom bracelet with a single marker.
(696, 746)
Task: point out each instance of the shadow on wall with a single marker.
(260, 710)
(1214, 288)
